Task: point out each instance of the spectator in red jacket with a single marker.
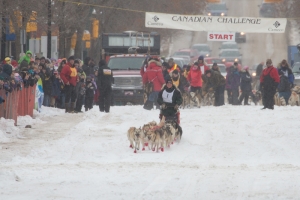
(153, 75)
(195, 79)
(269, 81)
(69, 76)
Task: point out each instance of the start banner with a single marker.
(221, 36)
(215, 23)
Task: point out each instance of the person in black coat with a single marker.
(89, 93)
(169, 98)
(47, 85)
(259, 69)
(88, 66)
(246, 87)
(105, 79)
(80, 90)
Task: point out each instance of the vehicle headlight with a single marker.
(222, 14)
(209, 14)
(236, 60)
(253, 74)
(207, 55)
(242, 33)
(224, 60)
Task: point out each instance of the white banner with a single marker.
(215, 23)
(221, 36)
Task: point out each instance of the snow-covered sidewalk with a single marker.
(226, 153)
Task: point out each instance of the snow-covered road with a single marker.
(226, 153)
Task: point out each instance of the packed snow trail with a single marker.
(225, 153)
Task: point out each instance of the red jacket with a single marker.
(154, 74)
(273, 73)
(69, 74)
(195, 76)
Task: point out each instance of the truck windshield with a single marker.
(126, 63)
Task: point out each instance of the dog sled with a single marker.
(156, 136)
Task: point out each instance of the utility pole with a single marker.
(49, 30)
(64, 32)
(3, 28)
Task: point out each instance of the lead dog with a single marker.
(135, 137)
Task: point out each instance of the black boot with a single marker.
(71, 110)
(67, 105)
(148, 105)
(101, 107)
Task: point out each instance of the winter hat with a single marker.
(76, 61)
(168, 79)
(201, 58)
(236, 63)
(48, 61)
(14, 63)
(171, 60)
(246, 67)
(269, 61)
(88, 78)
(215, 64)
(208, 72)
(7, 59)
(71, 58)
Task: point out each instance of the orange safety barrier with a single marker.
(8, 109)
(26, 101)
(17, 103)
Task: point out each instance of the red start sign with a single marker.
(221, 36)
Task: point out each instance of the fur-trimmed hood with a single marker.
(156, 62)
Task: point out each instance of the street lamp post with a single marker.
(49, 30)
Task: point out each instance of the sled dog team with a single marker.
(155, 136)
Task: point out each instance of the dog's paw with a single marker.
(153, 149)
(143, 149)
(162, 149)
(134, 151)
(131, 146)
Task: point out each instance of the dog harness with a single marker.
(168, 96)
